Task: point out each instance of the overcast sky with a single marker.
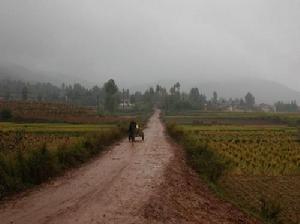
(144, 41)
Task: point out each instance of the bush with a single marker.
(4, 177)
(205, 162)
(71, 155)
(6, 114)
(200, 157)
(270, 211)
(40, 165)
(175, 132)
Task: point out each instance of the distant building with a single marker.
(126, 105)
(233, 109)
(266, 108)
(229, 109)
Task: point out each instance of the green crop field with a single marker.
(262, 161)
(32, 135)
(30, 153)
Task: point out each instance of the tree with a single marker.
(110, 87)
(215, 97)
(194, 97)
(177, 87)
(111, 95)
(25, 93)
(286, 107)
(158, 90)
(172, 90)
(249, 100)
(202, 101)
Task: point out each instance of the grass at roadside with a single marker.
(203, 160)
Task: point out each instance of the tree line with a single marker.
(176, 100)
(106, 98)
(109, 97)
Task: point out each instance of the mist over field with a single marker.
(212, 45)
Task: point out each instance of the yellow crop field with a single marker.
(262, 164)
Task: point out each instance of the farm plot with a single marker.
(253, 150)
(31, 153)
(263, 166)
(237, 118)
(30, 111)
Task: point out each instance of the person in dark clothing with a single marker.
(131, 131)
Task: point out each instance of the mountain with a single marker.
(265, 91)
(17, 72)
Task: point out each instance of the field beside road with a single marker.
(45, 112)
(31, 135)
(230, 118)
(32, 152)
(250, 159)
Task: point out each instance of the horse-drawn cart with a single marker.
(136, 132)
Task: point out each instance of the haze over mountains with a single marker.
(265, 91)
(137, 42)
(17, 72)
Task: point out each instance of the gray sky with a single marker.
(151, 40)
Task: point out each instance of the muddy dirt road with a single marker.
(140, 183)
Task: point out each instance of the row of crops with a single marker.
(257, 166)
(267, 151)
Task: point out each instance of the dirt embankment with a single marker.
(130, 183)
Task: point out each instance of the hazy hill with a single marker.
(264, 90)
(16, 72)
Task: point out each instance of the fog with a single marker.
(139, 41)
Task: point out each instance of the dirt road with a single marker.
(140, 183)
